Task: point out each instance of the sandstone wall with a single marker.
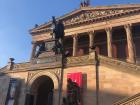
(114, 84)
(4, 84)
(22, 77)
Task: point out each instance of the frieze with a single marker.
(89, 15)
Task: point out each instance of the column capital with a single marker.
(75, 36)
(126, 26)
(91, 32)
(108, 29)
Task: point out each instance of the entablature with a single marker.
(78, 61)
(89, 19)
(88, 15)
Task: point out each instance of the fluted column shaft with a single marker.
(91, 40)
(109, 41)
(75, 44)
(130, 44)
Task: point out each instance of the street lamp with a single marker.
(97, 74)
(58, 34)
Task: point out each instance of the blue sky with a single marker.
(18, 16)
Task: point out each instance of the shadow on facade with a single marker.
(105, 97)
(13, 91)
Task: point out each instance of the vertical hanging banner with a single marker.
(11, 96)
(76, 77)
(74, 88)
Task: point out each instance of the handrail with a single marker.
(133, 100)
(119, 64)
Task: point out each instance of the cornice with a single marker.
(79, 61)
(107, 12)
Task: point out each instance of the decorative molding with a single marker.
(31, 74)
(79, 60)
(90, 15)
(128, 26)
(50, 74)
(21, 66)
(84, 16)
(108, 29)
(91, 32)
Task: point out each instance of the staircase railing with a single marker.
(134, 100)
(118, 64)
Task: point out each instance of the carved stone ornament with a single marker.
(31, 74)
(88, 15)
(57, 72)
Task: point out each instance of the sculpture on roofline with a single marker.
(85, 3)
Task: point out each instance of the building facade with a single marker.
(107, 75)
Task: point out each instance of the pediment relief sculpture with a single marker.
(82, 16)
(89, 15)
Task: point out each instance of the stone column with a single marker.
(109, 41)
(33, 50)
(130, 43)
(75, 45)
(91, 40)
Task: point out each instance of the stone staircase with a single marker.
(134, 100)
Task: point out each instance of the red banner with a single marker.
(76, 77)
(74, 88)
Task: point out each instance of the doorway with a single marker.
(41, 91)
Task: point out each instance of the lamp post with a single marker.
(58, 32)
(97, 74)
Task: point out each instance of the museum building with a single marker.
(100, 63)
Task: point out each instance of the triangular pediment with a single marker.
(89, 15)
(92, 14)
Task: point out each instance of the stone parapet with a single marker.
(118, 64)
(79, 61)
(134, 100)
